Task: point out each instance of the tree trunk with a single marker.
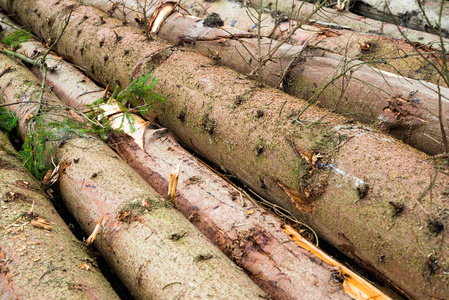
(354, 21)
(139, 232)
(38, 253)
(405, 108)
(254, 246)
(381, 51)
(67, 82)
(373, 197)
(247, 233)
(411, 14)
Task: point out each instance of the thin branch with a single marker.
(22, 57)
(440, 119)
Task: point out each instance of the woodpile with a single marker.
(379, 201)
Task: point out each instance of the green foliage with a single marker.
(137, 96)
(140, 90)
(36, 149)
(8, 119)
(14, 39)
(37, 146)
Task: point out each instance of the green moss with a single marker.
(202, 257)
(208, 124)
(135, 205)
(260, 146)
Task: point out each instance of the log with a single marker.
(373, 197)
(406, 109)
(358, 23)
(137, 237)
(417, 14)
(39, 255)
(353, 43)
(79, 90)
(256, 252)
(247, 233)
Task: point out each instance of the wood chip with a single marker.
(41, 223)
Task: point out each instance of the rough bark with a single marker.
(388, 53)
(405, 108)
(413, 13)
(253, 245)
(375, 198)
(33, 260)
(245, 232)
(352, 202)
(74, 88)
(139, 228)
(240, 46)
(354, 21)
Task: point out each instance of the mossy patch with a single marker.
(202, 257)
(397, 208)
(260, 146)
(177, 236)
(139, 205)
(435, 226)
(208, 124)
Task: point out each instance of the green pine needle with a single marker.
(14, 39)
(8, 119)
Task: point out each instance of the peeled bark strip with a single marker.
(246, 233)
(35, 261)
(336, 81)
(375, 198)
(140, 230)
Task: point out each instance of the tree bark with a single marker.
(354, 21)
(69, 84)
(412, 14)
(139, 230)
(38, 253)
(248, 234)
(253, 245)
(381, 51)
(405, 108)
(373, 197)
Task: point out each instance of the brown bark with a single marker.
(253, 245)
(336, 81)
(245, 232)
(74, 88)
(373, 197)
(38, 253)
(419, 15)
(137, 239)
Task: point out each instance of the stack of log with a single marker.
(378, 200)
